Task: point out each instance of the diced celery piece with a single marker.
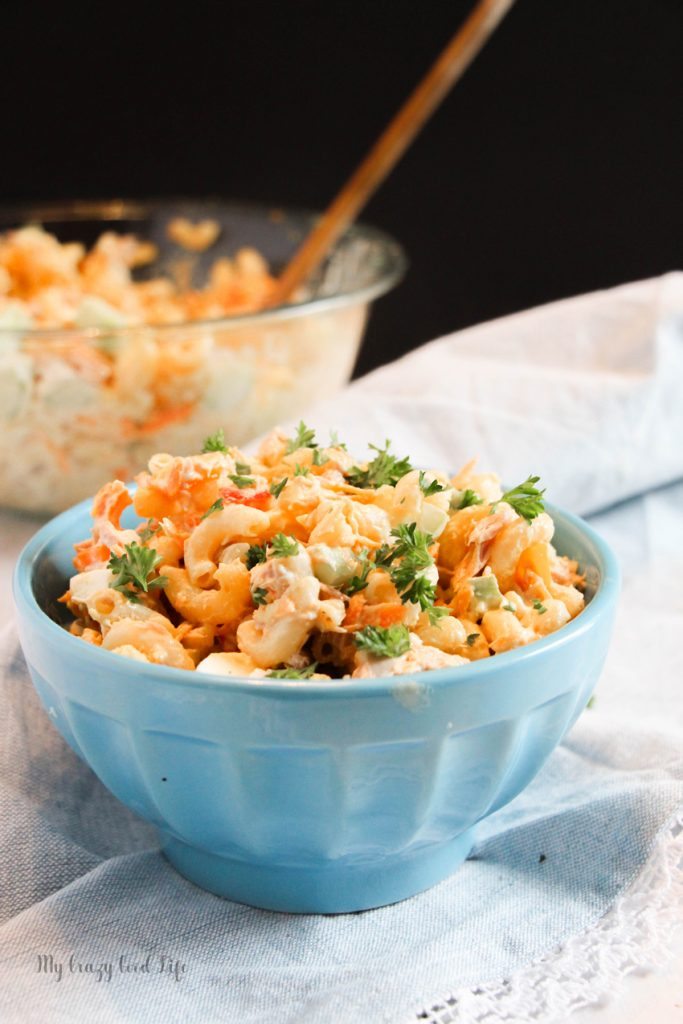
(333, 566)
(432, 519)
(95, 312)
(486, 593)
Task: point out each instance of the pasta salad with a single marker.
(78, 326)
(49, 284)
(302, 562)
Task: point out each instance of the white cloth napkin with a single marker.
(586, 393)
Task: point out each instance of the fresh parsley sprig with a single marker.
(215, 442)
(276, 489)
(259, 595)
(256, 554)
(385, 468)
(435, 613)
(406, 562)
(241, 481)
(359, 581)
(134, 569)
(282, 546)
(292, 673)
(304, 438)
(411, 544)
(423, 593)
(216, 507)
(381, 642)
(427, 489)
(525, 499)
(469, 497)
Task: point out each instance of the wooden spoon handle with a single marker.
(446, 70)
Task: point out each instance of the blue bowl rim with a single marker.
(601, 603)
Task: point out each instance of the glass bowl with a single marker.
(66, 428)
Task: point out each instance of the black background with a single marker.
(554, 167)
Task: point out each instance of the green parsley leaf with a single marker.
(301, 470)
(216, 507)
(412, 543)
(292, 673)
(405, 562)
(540, 608)
(411, 547)
(241, 481)
(591, 702)
(215, 442)
(318, 458)
(525, 499)
(359, 581)
(436, 614)
(385, 468)
(433, 488)
(509, 608)
(259, 595)
(470, 497)
(277, 489)
(304, 438)
(133, 570)
(335, 442)
(282, 546)
(243, 467)
(256, 554)
(384, 556)
(421, 591)
(149, 530)
(471, 638)
(391, 642)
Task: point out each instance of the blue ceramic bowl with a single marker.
(315, 797)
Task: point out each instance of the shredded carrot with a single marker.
(353, 612)
(234, 495)
(90, 554)
(385, 614)
(157, 421)
(360, 613)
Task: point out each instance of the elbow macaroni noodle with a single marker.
(301, 558)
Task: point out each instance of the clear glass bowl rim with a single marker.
(394, 261)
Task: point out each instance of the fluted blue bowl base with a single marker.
(333, 888)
